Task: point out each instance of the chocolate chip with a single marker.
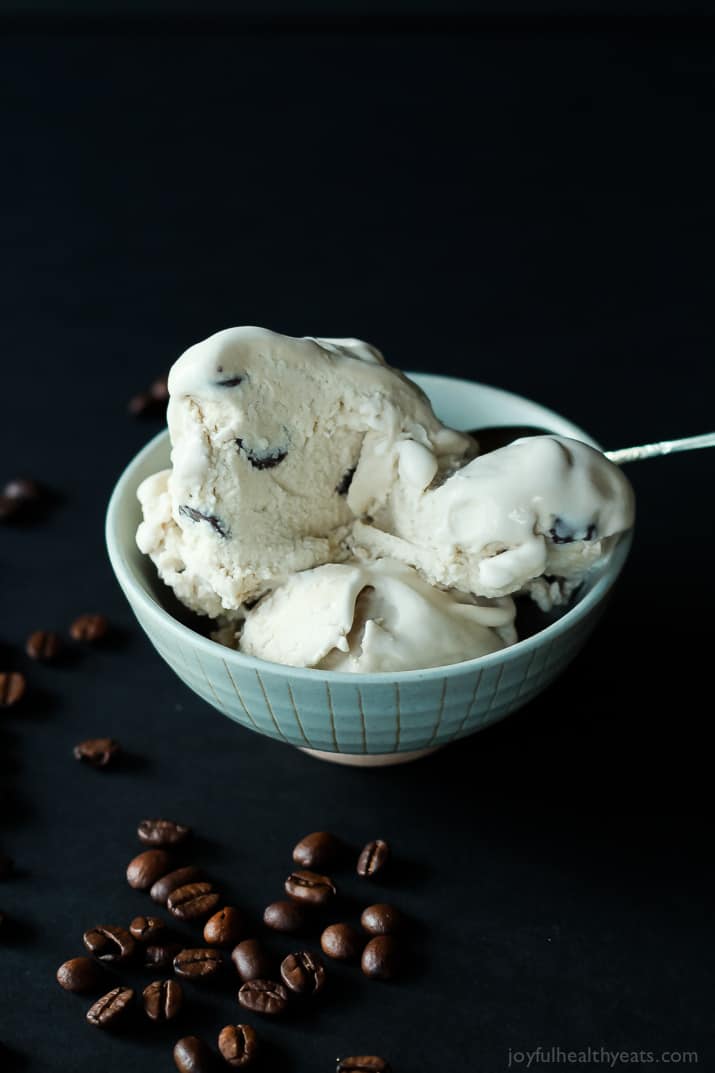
(90, 627)
(343, 486)
(268, 460)
(107, 1010)
(99, 752)
(230, 381)
(162, 832)
(563, 533)
(43, 645)
(12, 688)
(197, 516)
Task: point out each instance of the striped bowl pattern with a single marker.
(360, 715)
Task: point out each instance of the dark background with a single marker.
(529, 203)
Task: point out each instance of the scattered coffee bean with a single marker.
(193, 900)
(162, 833)
(43, 645)
(144, 404)
(284, 916)
(363, 1063)
(224, 928)
(317, 850)
(381, 919)
(110, 1008)
(12, 688)
(146, 929)
(159, 389)
(24, 490)
(342, 942)
(198, 963)
(161, 956)
(191, 1055)
(263, 996)
(90, 627)
(172, 881)
(98, 752)
(309, 887)
(162, 1000)
(9, 508)
(303, 973)
(251, 960)
(109, 943)
(238, 1045)
(79, 974)
(146, 868)
(380, 958)
(7, 866)
(373, 858)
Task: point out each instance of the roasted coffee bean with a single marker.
(143, 404)
(172, 881)
(79, 974)
(191, 1055)
(380, 958)
(162, 833)
(263, 996)
(146, 929)
(43, 645)
(193, 900)
(159, 389)
(303, 973)
(110, 1008)
(238, 1045)
(224, 928)
(373, 858)
(89, 627)
(381, 919)
(318, 850)
(7, 866)
(363, 1063)
(12, 688)
(162, 1000)
(198, 963)
(342, 942)
(99, 752)
(146, 868)
(109, 943)
(24, 490)
(251, 960)
(161, 955)
(309, 887)
(284, 916)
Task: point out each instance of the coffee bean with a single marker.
(98, 752)
(198, 963)
(381, 919)
(161, 955)
(318, 850)
(79, 974)
(193, 900)
(23, 489)
(172, 881)
(363, 1063)
(43, 645)
(284, 916)
(251, 960)
(162, 1000)
(238, 1045)
(159, 389)
(146, 868)
(191, 1055)
(109, 943)
(309, 887)
(146, 929)
(110, 1008)
(380, 958)
(263, 996)
(90, 627)
(162, 833)
(303, 973)
(7, 866)
(373, 858)
(342, 942)
(10, 508)
(224, 928)
(144, 404)
(12, 688)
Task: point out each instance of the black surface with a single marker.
(530, 209)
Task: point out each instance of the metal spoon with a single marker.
(490, 439)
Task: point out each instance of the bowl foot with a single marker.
(371, 759)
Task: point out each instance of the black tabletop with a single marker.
(528, 206)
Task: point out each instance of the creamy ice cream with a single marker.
(318, 509)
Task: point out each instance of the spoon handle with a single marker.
(665, 447)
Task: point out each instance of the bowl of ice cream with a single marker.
(373, 646)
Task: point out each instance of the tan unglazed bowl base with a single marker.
(371, 759)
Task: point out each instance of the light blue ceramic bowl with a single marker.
(367, 719)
